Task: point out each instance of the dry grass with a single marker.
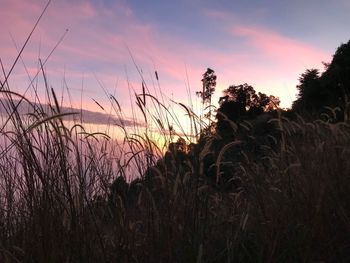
(63, 199)
(65, 195)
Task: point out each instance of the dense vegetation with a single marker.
(261, 184)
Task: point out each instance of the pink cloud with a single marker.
(99, 36)
(91, 43)
(272, 62)
(279, 48)
(284, 58)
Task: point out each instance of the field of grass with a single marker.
(271, 189)
(276, 197)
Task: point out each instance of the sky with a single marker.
(108, 47)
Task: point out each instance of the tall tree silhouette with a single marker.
(208, 88)
(311, 96)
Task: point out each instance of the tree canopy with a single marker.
(242, 101)
(329, 89)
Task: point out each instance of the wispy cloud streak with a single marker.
(101, 33)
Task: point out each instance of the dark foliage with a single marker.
(209, 84)
(241, 103)
(330, 89)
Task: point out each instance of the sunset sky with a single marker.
(267, 44)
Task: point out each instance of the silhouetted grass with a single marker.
(273, 190)
(63, 199)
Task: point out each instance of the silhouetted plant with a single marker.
(328, 93)
(240, 103)
(208, 88)
(278, 192)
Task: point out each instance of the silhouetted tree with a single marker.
(274, 103)
(331, 89)
(209, 84)
(242, 101)
(336, 79)
(310, 97)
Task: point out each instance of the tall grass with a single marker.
(63, 198)
(253, 196)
